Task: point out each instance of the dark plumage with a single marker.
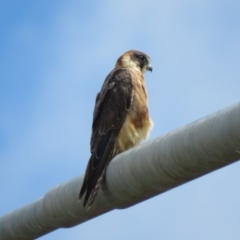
(120, 119)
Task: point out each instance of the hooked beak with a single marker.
(149, 68)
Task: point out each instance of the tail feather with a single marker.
(92, 183)
(95, 174)
(94, 191)
(85, 180)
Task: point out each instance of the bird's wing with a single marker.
(112, 105)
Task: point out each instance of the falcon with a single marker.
(120, 119)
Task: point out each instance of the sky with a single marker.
(54, 57)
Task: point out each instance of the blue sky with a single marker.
(54, 56)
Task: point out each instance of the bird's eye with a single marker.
(142, 58)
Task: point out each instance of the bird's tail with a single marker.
(95, 190)
(91, 183)
(91, 190)
(94, 176)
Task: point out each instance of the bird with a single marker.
(121, 118)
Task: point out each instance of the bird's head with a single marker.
(134, 59)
